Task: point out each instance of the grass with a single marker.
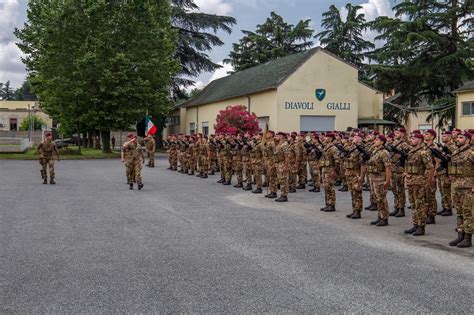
(72, 154)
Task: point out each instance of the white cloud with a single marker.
(219, 7)
(197, 85)
(222, 72)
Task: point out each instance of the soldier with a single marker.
(448, 146)
(173, 152)
(399, 150)
(246, 163)
(369, 147)
(182, 155)
(354, 167)
(270, 168)
(256, 158)
(379, 169)
(132, 155)
(419, 175)
(237, 161)
(191, 156)
(280, 159)
(461, 172)
(314, 155)
(46, 149)
(150, 146)
(203, 157)
(220, 143)
(292, 164)
(212, 155)
(227, 159)
(302, 160)
(429, 137)
(344, 141)
(328, 166)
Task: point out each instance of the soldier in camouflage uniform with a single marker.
(302, 161)
(227, 159)
(213, 164)
(132, 155)
(429, 137)
(444, 182)
(246, 163)
(182, 154)
(379, 169)
(237, 161)
(328, 166)
(419, 175)
(354, 167)
(398, 168)
(173, 152)
(270, 167)
(292, 163)
(256, 158)
(203, 157)
(191, 155)
(280, 159)
(369, 147)
(314, 151)
(461, 172)
(46, 149)
(150, 146)
(220, 142)
(345, 143)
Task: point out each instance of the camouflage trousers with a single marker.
(133, 170)
(372, 193)
(257, 173)
(292, 175)
(302, 172)
(213, 162)
(204, 165)
(272, 176)
(355, 189)
(247, 169)
(444, 184)
(282, 177)
(173, 159)
(315, 173)
(398, 189)
(431, 201)
(191, 165)
(227, 164)
(417, 193)
(183, 162)
(237, 168)
(463, 199)
(380, 194)
(328, 183)
(45, 164)
(151, 158)
(338, 172)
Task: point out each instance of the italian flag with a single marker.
(150, 128)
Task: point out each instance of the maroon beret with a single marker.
(431, 132)
(131, 135)
(330, 135)
(374, 132)
(294, 133)
(401, 129)
(466, 134)
(417, 135)
(447, 132)
(382, 138)
(416, 131)
(457, 130)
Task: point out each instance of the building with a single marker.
(465, 106)
(12, 114)
(309, 91)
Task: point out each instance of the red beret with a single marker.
(271, 132)
(48, 134)
(391, 135)
(401, 129)
(471, 131)
(382, 137)
(431, 132)
(466, 134)
(457, 130)
(293, 133)
(447, 132)
(330, 135)
(417, 135)
(131, 135)
(302, 133)
(416, 131)
(374, 132)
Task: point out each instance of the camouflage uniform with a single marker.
(190, 159)
(328, 164)
(314, 167)
(237, 164)
(418, 163)
(204, 158)
(352, 171)
(133, 162)
(280, 159)
(376, 165)
(256, 156)
(182, 156)
(227, 162)
(431, 191)
(270, 166)
(150, 146)
(46, 150)
(213, 162)
(398, 181)
(444, 183)
(292, 166)
(302, 160)
(246, 163)
(173, 155)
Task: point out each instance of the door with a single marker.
(317, 123)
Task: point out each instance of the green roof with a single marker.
(373, 121)
(260, 78)
(468, 86)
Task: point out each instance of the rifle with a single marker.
(445, 159)
(343, 150)
(403, 154)
(313, 149)
(363, 152)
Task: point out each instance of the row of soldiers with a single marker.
(398, 161)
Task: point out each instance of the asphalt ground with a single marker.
(185, 244)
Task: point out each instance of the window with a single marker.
(172, 121)
(468, 109)
(192, 128)
(262, 122)
(13, 124)
(205, 128)
(424, 127)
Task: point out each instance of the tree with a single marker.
(236, 120)
(24, 93)
(273, 39)
(6, 92)
(346, 38)
(427, 52)
(98, 66)
(37, 122)
(196, 37)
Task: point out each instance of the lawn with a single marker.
(72, 153)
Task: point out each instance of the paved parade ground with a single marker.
(185, 244)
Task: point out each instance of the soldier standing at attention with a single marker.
(191, 156)
(204, 157)
(429, 137)
(379, 169)
(280, 159)
(227, 159)
(173, 152)
(398, 167)
(237, 161)
(46, 149)
(301, 159)
(328, 166)
(314, 158)
(246, 163)
(419, 175)
(270, 165)
(132, 155)
(354, 167)
(256, 156)
(461, 172)
(212, 155)
(444, 181)
(292, 164)
(369, 147)
(150, 146)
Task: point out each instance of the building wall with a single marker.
(321, 71)
(370, 102)
(19, 111)
(464, 122)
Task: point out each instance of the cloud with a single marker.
(219, 7)
(222, 72)
(197, 85)
(9, 12)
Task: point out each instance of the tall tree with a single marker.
(24, 92)
(427, 52)
(6, 91)
(101, 65)
(345, 38)
(196, 38)
(273, 39)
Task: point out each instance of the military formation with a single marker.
(355, 160)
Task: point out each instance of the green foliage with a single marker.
(37, 121)
(6, 92)
(273, 39)
(25, 93)
(99, 65)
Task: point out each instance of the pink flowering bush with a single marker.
(236, 120)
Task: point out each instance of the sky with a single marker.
(249, 13)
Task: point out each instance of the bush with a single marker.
(25, 124)
(236, 120)
(69, 151)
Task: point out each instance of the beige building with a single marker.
(12, 114)
(465, 106)
(309, 91)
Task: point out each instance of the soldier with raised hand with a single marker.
(429, 137)
(280, 159)
(270, 167)
(444, 182)
(354, 167)
(256, 158)
(292, 164)
(419, 176)
(401, 146)
(461, 172)
(150, 146)
(328, 166)
(379, 169)
(132, 156)
(46, 150)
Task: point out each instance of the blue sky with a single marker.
(248, 13)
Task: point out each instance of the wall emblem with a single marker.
(320, 94)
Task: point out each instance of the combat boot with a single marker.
(376, 221)
(383, 222)
(365, 187)
(226, 183)
(467, 241)
(338, 183)
(248, 187)
(265, 184)
(45, 180)
(447, 213)
(458, 240)
(257, 191)
(350, 215)
(291, 190)
(271, 195)
(401, 213)
(204, 175)
(199, 175)
(317, 189)
(373, 207)
(369, 206)
(52, 182)
(412, 230)
(441, 211)
(169, 168)
(419, 231)
(301, 186)
(356, 215)
(140, 186)
(344, 188)
(430, 220)
(212, 173)
(238, 185)
(131, 186)
(220, 181)
(330, 208)
(394, 212)
(282, 199)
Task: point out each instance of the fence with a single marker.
(14, 145)
(37, 136)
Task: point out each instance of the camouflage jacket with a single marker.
(280, 154)
(353, 162)
(46, 150)
(132, 152)
(461, 167)
(378, 162)
(329, 157)
(418, 163)
(395, 158)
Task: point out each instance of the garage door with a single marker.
(317, 123)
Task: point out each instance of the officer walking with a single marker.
(46, 149)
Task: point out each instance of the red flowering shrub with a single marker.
(236, 119)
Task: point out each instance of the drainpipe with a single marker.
(249, 103)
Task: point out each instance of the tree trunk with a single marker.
(105, 135)
(97, 141)
(90, 139)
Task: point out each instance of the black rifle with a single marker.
(313, 149)
(343, 150)
(443, 157)
(403, 154)
(363, 152)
